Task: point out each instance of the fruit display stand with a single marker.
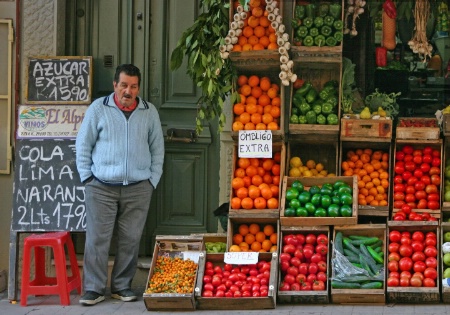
(445, 228)
(446, 124)
(278, 149)
(309, 295)
(368, 130)
(236, 303)
(437, 147)
(315, 53)
(410, 294)
(308, 182)
(172, 246)
(362, 146)
(318, 74)
(360, 295)
(445, 177)
(417, 128)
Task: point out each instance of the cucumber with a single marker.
(365, 265)
(366, 253)
(344, 285)
(378, 249)
(338, 243)
(359, 279)
(367, 241)
(372, 285)
(351, 256)
(379, 243)
(359, 237)
(375, 255)
(350, 246)
(356, 265)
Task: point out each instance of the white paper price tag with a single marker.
(241, 258)
(255, 143)
(192, 256)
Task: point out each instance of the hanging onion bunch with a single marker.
(354, 9)
(419, 43)
(276, 22)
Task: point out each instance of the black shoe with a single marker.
(125, 295)
(91, 298)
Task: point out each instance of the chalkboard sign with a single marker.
(59, 80)
(47, 194)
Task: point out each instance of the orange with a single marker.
(237, 125)
(377, 155)
(247, 47)
(243, 229)
(242, 79)
(260, 236)
(267, 164)
(253, 40)
(244, 117)
(242, 40)
(237, 183)
(235, 203)
(260, 109)
(242, 98)
(256, 180)
(260, 126)
(237, 47)
(247, 180)
(261, 171)
(254, 192)
(234, 248)
(258, 46)
(251, 100)
(275, 112)
(254, 162)
(265, 83)
(247, 31)
(272, 92)
(368, 151)
(266, 245)
(273, 238)
(272, 203)
(276, 170)
(238, 108)
(267, 109)
(273, 38)
(251, 108)
(237, 239)
(249, 238)
(268, 229)
(256, 118)
(251, 170)
(246, 89)
(274, 249)
(239, 172)
(243, 162)
(274, 187)
(266, 193)
(247, 202)
(256, 92)
(256, 246)
(257, 11)
(249, 126)
(264, 40)
(272, 126)
(242, 192)
(254, 228)
(260, 203)
(266, 118)
(259, 31)
(264, 21)
(271, 46)
(254, 3)
(253, 80)
(244, 247)
(253, 21)
(276, 101)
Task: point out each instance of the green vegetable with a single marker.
(331, 84)
(332, 119)
(294, 119)
(358, 279)
(300, 11)
(311, 95)
(324, 94)
(296, 23)
(365, 265)
(313, 31)
(297, 100)
(331, 41)
(328, 20)
(308, 22)
(302, 31)
(387, 102)
(317, 109)
(319, 40)
(336, 284)
(321, 119)
(326, 30)
(366, 241)
(338, 242)
(327, 108)
(333, 100)
(335, 11)
(318, 21)
(289, 212)
(323, 9)
(295, 111)
(308, 41)
(338, 25)
(215, 247)
(377, 244)
(302, 119)
(375, 255)
(349, 245)
(311, 10)
(304, 108)
(311, 117)
(304, 89)
(372, 285)
(338, 36)
(369, 259)
(351, 256)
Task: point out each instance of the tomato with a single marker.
(426, 179)
(430, 273)
(419, 266)
(289, 248)
(322, 239)
(398, 179)
(416, 282)
(407, 175)
(399, 196)
(419, 185)
(228, 294)
(310, 239)
(237, 294)
(318, 285)
(412, 181)
(422, 204)
(430, 241)
(427, 150)
(393, 282)
(418, 274)
(395, 236)
(436, 162)
(418, 173)
(321, 276)
(301, 238)
(308, 252)
(295, 261)
(404, 281)
(216, 281)
(394, 274)
(434, 170)
(227, 267)
(290, 279)
(405, 264)
(295, 286)
(303, 268)
(427, 158)
(207, 279)
(322, 266)
(405, 273)
(417, 246)
(434, 205)
(410, 166)
(306, 286)
(417, 159)
(398, 204)
(399, 188)
(408, 149)
(430, 251)
(394, 256)
(207, 293)
(399, 168)
(431, 262)
(284, 265)
(394, 247)
(285, 256)
(399, 155)
(409, 197)
(264, 292)
(399, 217)
(292, 270)
(392, 265)
(436, 179)
(315, 258)
(425, 167)
(405, 250)
(322, 249)
(311, 278)
(220, 293)
(428, 282)
(420, 194)
(436, 153)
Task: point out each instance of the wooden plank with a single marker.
(319, 181)
(366, 128)
(420, 133)
(445, 227)
(446, 124)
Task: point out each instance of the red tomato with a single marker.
(432, 204)
(398, 179)
(220, 293)
(436, 179)
(418, 274)
(295, 261)
(412, 181)
(399, 196)
(392, 265)
(322, 249)
(419, 185)
(393, 282)
(394, 247)
(427, 158)
(398, 204)
(311, 278)
(292, 270)
(322, 276)
(410, 166)
(216, 281)
(427, 150)
(318, 285)
(436, 153)
(431, 262)
(422, 204)
(409, 197)
(399, 188)
(394, 274)
(322, 266)
(416, 282)
(285, 257)
(428, 282)
(417, 246)
(430, 241)
(322, 239)
(303, 268)
(207, 293)
(430, 273)
(405, 264)
(404, 281)
(206, 279)
(301, 238)
(420, 194)
(284, 265)
(394, 256)
(426, 179)
(418, 236)
(408, 149)
(405, 250)
(434, 170)
(311, 239)
(407, 175)
(300, 278)
(417, 159)
(418, 173)
(290, 279)
(313, 268)
(399, 155)
(425, 167)
(294, 287)
(419, 266)
(436, 162)
(430, 251)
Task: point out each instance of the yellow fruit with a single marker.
(323, 172)
(311, 164)
(295, 172)
(319, 167)
(235, 248)
(307, 173)
(314, 172)
(295, 162)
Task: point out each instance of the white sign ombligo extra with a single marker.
(255, 143)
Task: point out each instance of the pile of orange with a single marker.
(255, 238)
(259, 106)
(256, 182)
(257, 33)
(372, 170)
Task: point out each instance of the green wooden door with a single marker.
(144, 33)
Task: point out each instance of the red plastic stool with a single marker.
(60, 285)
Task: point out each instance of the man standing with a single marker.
(119, 156)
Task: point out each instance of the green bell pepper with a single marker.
(304, 89)
(302, 119)
(333, 100)
(319, 40)
(324, 94)
(311, 95)
(295, 111)
(308, 41)
(323, 9)
(317, 108)
(313, 31)
(296, 23)
(328, 20)
(304, 108)
(326, 30)
(331, 41)
(302, 31)
(297, 100)
(311, 117)
(335, 10)
(338, 36)
(332, 119)
(338, 25)
(331, 84)
(293, 119)
(310, 10)
(299, 12)
(321, 119)
(308, 22)
(327, 108)
(318, 21)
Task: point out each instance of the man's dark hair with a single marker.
(128, 69)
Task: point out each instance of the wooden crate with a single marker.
(324, 54)
(361, 143)
(361, 296)
(446, 152)
(326, 152)
(318, 74)
(243, 303)
(435, 144)
(369, 129)
(272, 74)
(446, 124)
(168, 245)
(445, 227)
(235, 222)
(255, 59)
(419, 133)
(306, 297)
(319, 181)
(273, 213)
(211, 237)
(415, 295)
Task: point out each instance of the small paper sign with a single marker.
(241, 258)
(255, 143)
(192, 256)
